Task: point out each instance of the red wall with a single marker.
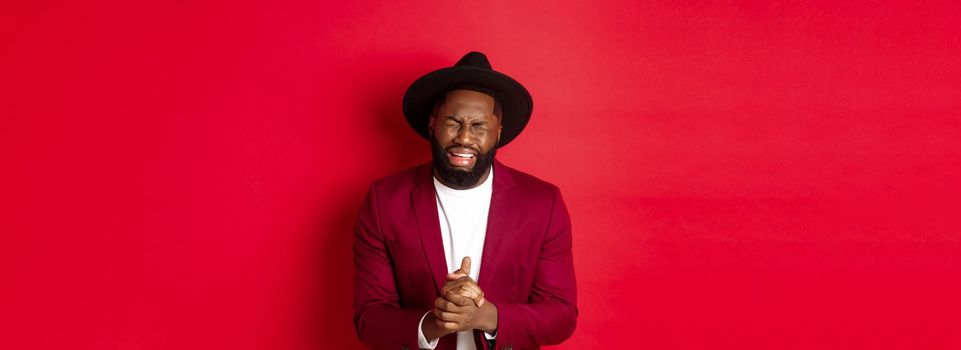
(752, 175)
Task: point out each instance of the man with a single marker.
(464, 252)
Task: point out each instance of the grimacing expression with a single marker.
(464, 135)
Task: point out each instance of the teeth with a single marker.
(464, 155)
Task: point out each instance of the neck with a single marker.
(448, 184)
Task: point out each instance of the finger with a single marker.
(479, 300)
(445, 315)
(448, 326)
(470, 290)
(467, 288)
(450, 285)
(463, 282)
(457, 281)
(466, 292)
(458, 300)
(456, 284)
(441, 304)
(475, 295)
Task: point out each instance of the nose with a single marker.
(464, 136)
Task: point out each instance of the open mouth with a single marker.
(461, 159)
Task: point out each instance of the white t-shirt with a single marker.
(463, 226)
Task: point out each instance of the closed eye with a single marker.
(453, 121)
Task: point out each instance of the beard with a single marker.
(457, 177)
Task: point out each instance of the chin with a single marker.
(460, 176)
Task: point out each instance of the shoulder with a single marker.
(401, 183)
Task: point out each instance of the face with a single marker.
(464, 135)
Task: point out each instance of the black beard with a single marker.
(456, 177)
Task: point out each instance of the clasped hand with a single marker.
(461, 306)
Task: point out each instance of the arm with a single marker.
(549, 317)
(379, 320)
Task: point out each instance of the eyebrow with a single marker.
(461, 120)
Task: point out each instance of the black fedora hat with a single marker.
(473, 72)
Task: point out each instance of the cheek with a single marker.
(490, 140)
(445, 133)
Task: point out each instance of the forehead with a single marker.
(469, 101)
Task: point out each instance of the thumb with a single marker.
(465, 265)
(464, 270)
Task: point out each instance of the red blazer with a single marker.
(527, 269)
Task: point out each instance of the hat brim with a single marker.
(515, 101)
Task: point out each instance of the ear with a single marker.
(430, 125)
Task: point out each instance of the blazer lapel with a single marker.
(428, 223)
(498, 222)
(499, 216)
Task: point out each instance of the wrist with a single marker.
(489, 317)
(430, 327)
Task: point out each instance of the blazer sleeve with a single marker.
(549, 317)
(379, 320)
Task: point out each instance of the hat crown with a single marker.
(474, 59)
(473, 70)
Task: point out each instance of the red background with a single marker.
(754, 175)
